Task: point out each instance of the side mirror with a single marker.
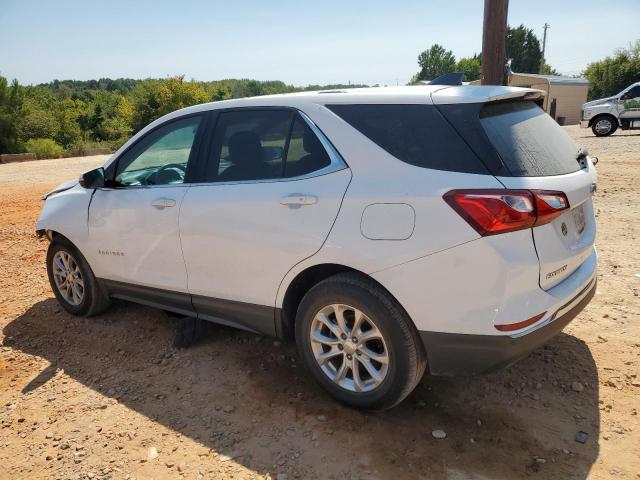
(93, 178)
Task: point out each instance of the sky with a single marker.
(300, 43)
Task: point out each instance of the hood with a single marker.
(594, 103)
(61, 188)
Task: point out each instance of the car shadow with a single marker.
(249, 395)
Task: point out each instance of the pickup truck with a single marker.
(604, 116)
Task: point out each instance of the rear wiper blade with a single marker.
(582, 156)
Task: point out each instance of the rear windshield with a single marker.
(416, 134)
(528, 140)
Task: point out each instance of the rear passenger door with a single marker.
(268, 193)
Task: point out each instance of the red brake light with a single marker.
(493, 211)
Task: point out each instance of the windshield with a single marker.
(528, 140)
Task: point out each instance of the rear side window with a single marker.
(262, 145)
(529, 141)
(416, 134)
(249, 145)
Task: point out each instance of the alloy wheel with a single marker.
(68, 277)
(349, 348)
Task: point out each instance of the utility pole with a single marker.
(493, 42)
(544, 45)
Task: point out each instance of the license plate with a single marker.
(578, 219)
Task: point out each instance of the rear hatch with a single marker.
(525, 149)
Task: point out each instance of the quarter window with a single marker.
(160, 157)
(305, 153)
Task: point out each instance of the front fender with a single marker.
(67, 213)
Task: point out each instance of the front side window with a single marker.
(161, 157)
(633, 93)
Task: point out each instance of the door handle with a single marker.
(296, 200)
(162, 203)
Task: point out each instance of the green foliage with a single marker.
(79, 115)
(612, 74)
(549, 70)
(524, 48)
(155, 98)
(10, 101)
(38, 124)
(44, 148)
(470, 67)
(434, 62)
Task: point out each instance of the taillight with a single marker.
(493, 211)
(549, 205)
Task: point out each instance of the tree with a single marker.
(524, 48)
(38, 124)
(435, 62)
(154, 98)
(10, 103)
(470, 67)
(611, 75)
(549, 70)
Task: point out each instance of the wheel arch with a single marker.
(304, 281)
(601, 115)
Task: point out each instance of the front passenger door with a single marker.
(629, 106)
(133, 225)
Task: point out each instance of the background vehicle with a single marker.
(604, 116)
(386, 230)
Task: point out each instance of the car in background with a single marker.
(606, 115)
(388, 231)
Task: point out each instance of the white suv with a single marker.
(387, 230)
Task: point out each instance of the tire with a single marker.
(383, 317)
(86, 301)
(604, 126)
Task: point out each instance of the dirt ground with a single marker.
(108, 397)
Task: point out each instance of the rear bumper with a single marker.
(461, 354)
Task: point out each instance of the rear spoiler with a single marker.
(484, 94)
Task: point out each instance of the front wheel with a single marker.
(359, 343)
(604, 126)
(72, 281)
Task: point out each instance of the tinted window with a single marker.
(528, 140)
(305, 153)
(160, 157)
(415, 134)
(249, 145)
(633, 93)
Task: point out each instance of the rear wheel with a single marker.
(358, 342)
(72, 281)
(604, 126)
